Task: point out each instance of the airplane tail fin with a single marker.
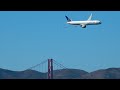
(68, 19)
(90, 17)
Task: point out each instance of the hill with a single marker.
(110, 73)
(69, 74)
(27, 74)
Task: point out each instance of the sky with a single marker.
(30, 37)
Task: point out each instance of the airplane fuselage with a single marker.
(91, 22)
(84, 23)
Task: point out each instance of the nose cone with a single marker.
(100, 22)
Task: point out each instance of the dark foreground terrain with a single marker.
(110, 73)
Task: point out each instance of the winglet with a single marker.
(90, 17)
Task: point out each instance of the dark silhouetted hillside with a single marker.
(69, 74)
(31, 74)
(110, 73)
(27, 74)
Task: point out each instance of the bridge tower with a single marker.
(50, 68)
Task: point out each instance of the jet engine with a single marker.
(83, 26)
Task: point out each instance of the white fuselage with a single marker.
(88, 22)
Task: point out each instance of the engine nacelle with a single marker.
(83, 26)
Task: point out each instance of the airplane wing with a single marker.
(90, 17)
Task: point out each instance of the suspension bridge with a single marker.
(50, 67)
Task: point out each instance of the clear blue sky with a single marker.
(29, 37)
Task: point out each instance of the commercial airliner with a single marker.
(84, 23)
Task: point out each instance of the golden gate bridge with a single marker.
(49, 66)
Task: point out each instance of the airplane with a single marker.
(84, 23)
